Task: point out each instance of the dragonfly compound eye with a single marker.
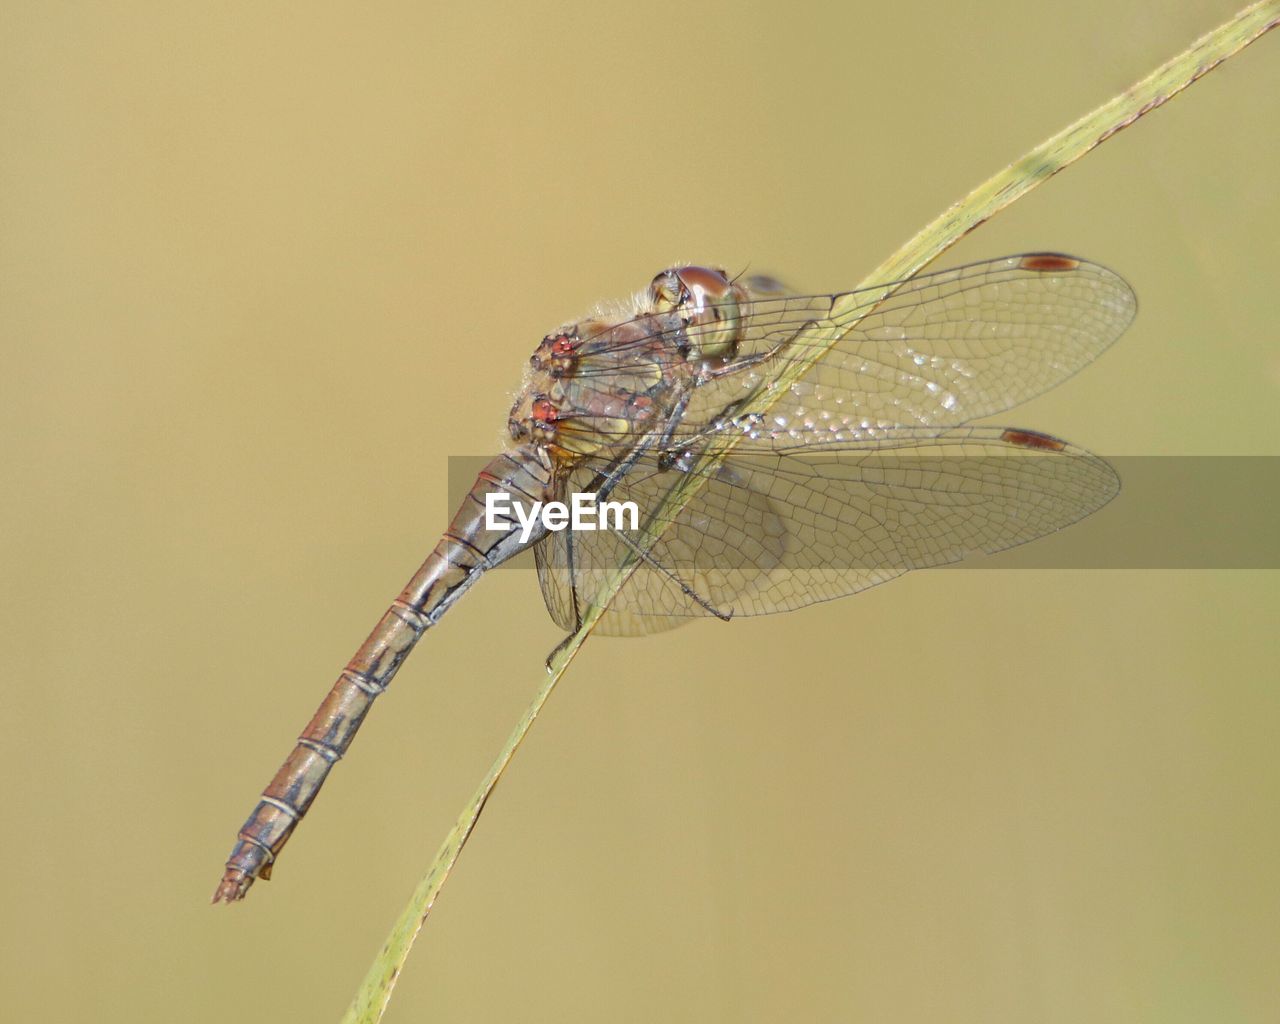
(709, 305)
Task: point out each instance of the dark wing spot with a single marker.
(1032, 439)
(1048, 262)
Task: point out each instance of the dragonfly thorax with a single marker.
(601, 383)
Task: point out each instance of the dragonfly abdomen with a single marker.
(466, 551)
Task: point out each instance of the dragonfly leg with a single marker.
(659, 441)
(606, 482)
(603, 486)
(559, 648)
(687, 590)
(573, 591)
(681, 455)
(746, 362)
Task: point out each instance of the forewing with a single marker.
(943, 349)
(957, 346)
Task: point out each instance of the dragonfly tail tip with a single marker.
(235, 883)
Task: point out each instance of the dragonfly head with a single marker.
(708, 303)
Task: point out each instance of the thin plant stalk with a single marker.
(993, 195)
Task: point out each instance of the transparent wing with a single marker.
(770, 532)
(723, 541)
(945, 348)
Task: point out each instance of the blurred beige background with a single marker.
(264, 267)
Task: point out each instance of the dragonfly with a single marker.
(864, 466)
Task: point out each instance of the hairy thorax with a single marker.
(596, 385)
